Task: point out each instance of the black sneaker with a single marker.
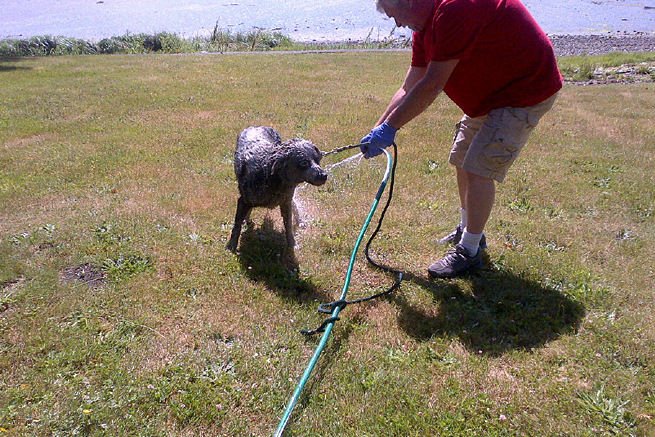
(457, 261)
(454, 237)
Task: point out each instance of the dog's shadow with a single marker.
(261, 255)
(502, 312)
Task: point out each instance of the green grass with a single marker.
(582, 68)
(124, 163)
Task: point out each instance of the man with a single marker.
(493, 60)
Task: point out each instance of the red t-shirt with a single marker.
(505, 59)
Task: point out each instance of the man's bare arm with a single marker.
(419, 97)
(414, 74)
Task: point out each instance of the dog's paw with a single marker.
(289, 261)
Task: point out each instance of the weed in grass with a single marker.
(644, 212)
(650, 399)
(430, 205)
(553, 246)
(553, 213)
(511, 241)
(194, 397)
(49, 229)
(521, 205)
(602, 182)
(126, 266)
(199, 239)
(433, 166)
(625, 234)
(107, 234)
(583, 72)
(615, 418)
(445, 359)
(580, 288)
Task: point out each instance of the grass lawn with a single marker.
(121, 313)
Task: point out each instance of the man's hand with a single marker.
(380, 137)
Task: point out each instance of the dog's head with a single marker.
(299, 163)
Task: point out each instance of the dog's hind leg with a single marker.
(248, 220)
(243, 212)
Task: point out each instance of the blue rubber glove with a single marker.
(380, 137)
(365, 139)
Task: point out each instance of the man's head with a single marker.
(407, 13)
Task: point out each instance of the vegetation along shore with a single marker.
(261, 40)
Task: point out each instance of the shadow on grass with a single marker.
(5, 64)
(504, 312)
(261, 258)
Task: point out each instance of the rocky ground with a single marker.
(573, 45)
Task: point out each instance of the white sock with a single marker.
(471, 242)
(462, 221)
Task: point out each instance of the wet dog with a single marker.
(268, 171)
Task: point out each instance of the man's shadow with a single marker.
(504, 312)
(261, 258)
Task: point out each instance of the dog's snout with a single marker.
(317, 176)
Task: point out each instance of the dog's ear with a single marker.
(318, 154)
(278, 166)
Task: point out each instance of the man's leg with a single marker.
(488, 156)
(462, 186)
(480, 195)
(466, 130)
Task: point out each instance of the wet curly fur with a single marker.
(268, 171)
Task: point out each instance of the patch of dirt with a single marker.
(27, 141)
(11, 284)
(87, 273)
(8, 288)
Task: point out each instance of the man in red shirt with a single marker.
(493, 60)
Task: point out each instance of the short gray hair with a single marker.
(380, 4)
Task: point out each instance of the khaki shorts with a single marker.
(488, 145)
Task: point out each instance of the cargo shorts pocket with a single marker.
(499, 142)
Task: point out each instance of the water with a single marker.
(324, 20)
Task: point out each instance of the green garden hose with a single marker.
(327, 326)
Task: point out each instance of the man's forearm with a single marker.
(424, 86)
(412, 104)
(393, 104)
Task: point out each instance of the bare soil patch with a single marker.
(86, 273)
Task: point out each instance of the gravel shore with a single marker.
(573, 45)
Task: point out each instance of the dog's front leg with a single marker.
(297, 219)
(286, 209)
(243, 212)
(289, 259)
